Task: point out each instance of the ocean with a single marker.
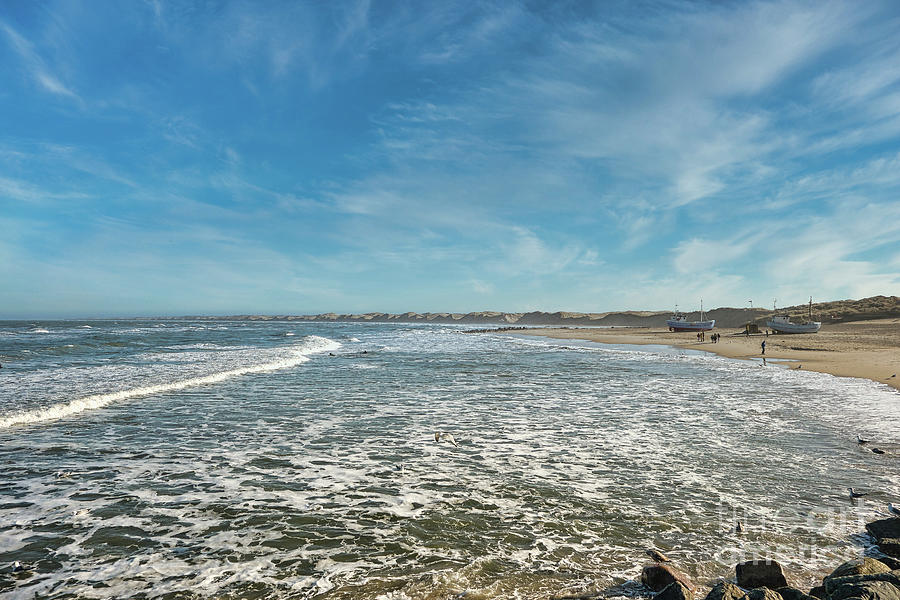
(267, 459)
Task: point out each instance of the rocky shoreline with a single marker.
(864, 578)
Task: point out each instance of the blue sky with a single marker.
(300, 157)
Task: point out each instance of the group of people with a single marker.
(714, 338)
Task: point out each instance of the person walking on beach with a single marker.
(763, 346)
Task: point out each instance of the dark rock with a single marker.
(725, 590)
(866, 590)
(818, 592)
(657, 577)
(789, 593)
(760, 573)
(675, 591)
(763, 593)
(859, 566)
(833, 583)
(893, 563)
(884, 528)
(890, 546)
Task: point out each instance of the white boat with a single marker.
(679, 322)
(783, 323)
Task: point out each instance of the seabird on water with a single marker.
(17, 567)
(438, 436)
(739, 528)
(857, 494)
(877, 450)
(893, 509)
(657, 556)
(861, 441)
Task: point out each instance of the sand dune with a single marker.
(839, 311)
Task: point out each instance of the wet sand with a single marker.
(866, 349)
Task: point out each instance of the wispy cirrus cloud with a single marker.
(35, 66)
(25, 191)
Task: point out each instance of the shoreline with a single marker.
(861, 349)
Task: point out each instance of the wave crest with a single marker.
(311, 345)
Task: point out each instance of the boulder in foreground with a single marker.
(884, 528)
(859, 566)
(866, 590)
(675, 591)
(819, 592)
(657, 577)
(857, 586)
(760, 573)
(725, 590)
(763, 593)
(789, 593)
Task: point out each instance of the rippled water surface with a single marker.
(295, 460)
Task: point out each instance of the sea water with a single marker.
(267, 459)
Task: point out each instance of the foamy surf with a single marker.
(325, 480)
(311, 345)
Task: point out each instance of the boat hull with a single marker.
(810, 327)
(690, 325)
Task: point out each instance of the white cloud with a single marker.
(25, 191)
(813, 253)
(481, 287)
(35, 65)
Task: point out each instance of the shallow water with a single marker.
(240, 459)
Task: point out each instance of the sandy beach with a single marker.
(867, 349)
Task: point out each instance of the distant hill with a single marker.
(842, 311)
(876, 307)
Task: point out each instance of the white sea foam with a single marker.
(299, 355)
(574, 474)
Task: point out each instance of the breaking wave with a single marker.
(300, 354)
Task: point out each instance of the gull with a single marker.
(857, 494)
(861, 441)
(893, 509)
(438, 436)
(657, 556)
(877, 450)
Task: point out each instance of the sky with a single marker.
(217, 157)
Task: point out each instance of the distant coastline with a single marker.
(840, 311)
